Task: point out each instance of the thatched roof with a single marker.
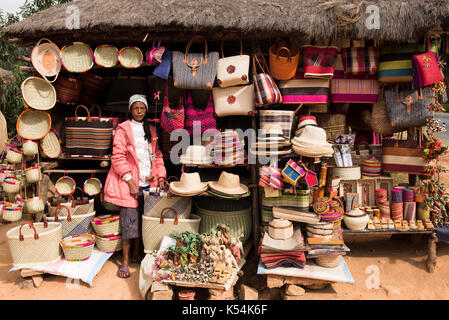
(400, 20)
(6, 76)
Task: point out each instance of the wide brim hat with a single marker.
(262, 152)
(33, 124)
(188, 194)
(45, 58)
(228, 196)
(77, 57)
(311, 151)
(274, 134)
(38, 93)
(228, 183)
(189, 185)
(106, 56)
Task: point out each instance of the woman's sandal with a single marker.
(126, 272)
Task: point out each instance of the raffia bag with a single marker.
(11, 212)
(154, 229)
(35, 243)
(106, 225)
(14, 155)
(73, 225)
(30, 148)
(79, 247)
(11, 185)
(109, 244)
(80, 205)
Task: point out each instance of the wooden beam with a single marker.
(24, 273)
(27, 69)
(77, 171)
(23, 58)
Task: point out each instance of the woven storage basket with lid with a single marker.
(79, 247)
(38, 93)
(30, 148)
(106, 55)
(130, 57)
(77, 57)
(45, 59)
(51, 145)
(109, 244)
(106, 225)
(236, 214)
(328, 261)
(35, 244)
(33, 124)
(280, 229)
(371, 167)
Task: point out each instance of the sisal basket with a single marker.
(77, 206)
(30, 148)
(38, 94)
(130, 57)
(11, 212)
(11, 185)
(14, 155)
(35, 244)
(333, 124)
(73, 225)
(106, 225)
(33, 124)
(65, 185)
(79, 247)
(109, 244)
(92, 186)
(51, 145)
(35, 204)
(77, 57)
(328, 261)
(33, 174)
(106, 56)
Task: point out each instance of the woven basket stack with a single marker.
(107, 233)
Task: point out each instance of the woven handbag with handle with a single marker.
(172, 119)
(360, 60)
(73, 225)
(194, 70)
(232, 71)
(284, 59)
(266, 92)
(77, 206)
(234, 101)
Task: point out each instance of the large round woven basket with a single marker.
(328, 261)
(38, 93)
(79, 247)
(11, 212)
(35, 244)
(109, 244)
(92, 186)
(106, 225)
(106, 55)
(130, 57)
(30, 148)
(33, 124)
(236, 214)
(77, 57)
(51, 145)
(45, 58)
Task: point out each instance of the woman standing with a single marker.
(136, 163)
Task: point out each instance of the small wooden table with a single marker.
(431, 244)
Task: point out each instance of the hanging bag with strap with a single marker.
(172, 119)
(266, 92)
(232, 71)
(427, 72)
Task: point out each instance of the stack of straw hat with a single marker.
(310, 140)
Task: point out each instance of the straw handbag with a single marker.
(106, 225)
(77, 206)
(11, 185)
(195, 70)
(319, 61)
(283, 60)
(68, 90)
(35, 204)
(33, 174)
(302, 90)
(50, 145)
(109, 244)
(30, 148)
(92, 186)
(35, 243)
(154, 229)
(277, 118)
(77, 57)
(266, 92)
(65, 185)
(130, 57)
(79, 247)
(11, 212)
(232, 71)
(106, 56)
(14, 155)
(234, 101)
(45, 59)
(38, 93)
(33, 124)
(73, 225)
(155, 201)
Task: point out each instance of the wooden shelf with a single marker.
(68, 157)
(389, 231)
(76, 171)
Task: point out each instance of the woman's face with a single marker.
(138, 111)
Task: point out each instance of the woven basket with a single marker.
(155, 229)
(38, 93)
(333, 124)
(106, 56)
(130, 57)
(11, 185)
(106, 225)
(77, 206)
(11, 212)
(33, 124)
(35, 204)
(236, 214)
(33, 174)
(68, 90)
(35, 244)
(109, 244)
(347, 173)
(14, 155)
(281, 118)
(51, 145)
(73, 225)
(77, 57)
(92, 186)
(79, 247)
(65, 185)
(30, 148)
(45, 59)
(328, 261)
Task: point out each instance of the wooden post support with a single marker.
(432, 253)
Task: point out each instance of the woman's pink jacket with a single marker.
(124, 160)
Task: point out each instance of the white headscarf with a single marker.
(138, 98)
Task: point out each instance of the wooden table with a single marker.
(431, 242)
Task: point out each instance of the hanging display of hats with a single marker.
(189, 185)
(33, 124)
(77, 57)
(229, 184)
(130, 57)
(38, 93)
(311, 141)
(106, 56)
(45, 59)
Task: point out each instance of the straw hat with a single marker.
(77, 57)
(106, 56)
(33, 124)
(196, 155)
(130, 57)
(189, 185)
(228, 183)
(38, 93)
(3, 132)
(45, 58)
(312, 141)
(51, 145)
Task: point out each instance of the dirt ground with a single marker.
(399, 263)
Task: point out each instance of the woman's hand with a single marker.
(133, 189)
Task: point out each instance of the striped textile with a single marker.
(299, 202)
(84, 137)
(410, 211)
(319, 62)
(265, 90)
(301, 90)
(405, 160)
(363, 60)
(281, 118)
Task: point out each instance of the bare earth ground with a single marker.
(400, 262)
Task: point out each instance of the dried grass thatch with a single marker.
(400, 20)
(6, 76)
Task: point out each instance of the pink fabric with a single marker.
(124, 160)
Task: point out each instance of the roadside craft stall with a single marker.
(292, 139)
